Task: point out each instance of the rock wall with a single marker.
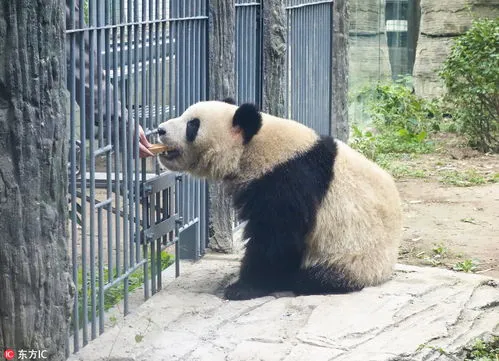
(441, 22)
(36, 290)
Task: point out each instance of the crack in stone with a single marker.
(265, 340)
(492, 304)
(317, 344)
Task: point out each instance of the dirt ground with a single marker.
(451, 209)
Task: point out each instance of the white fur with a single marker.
(359, 225)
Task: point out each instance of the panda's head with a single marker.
(209, 138)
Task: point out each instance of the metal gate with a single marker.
(248, 51)
(309, 62)
(130, 63)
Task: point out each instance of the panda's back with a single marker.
(358, 225)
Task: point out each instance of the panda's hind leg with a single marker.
(320, 279)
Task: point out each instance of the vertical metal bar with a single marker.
(91, 118)
(303, 65)
(294, 91)
(176, 205)
(197, 197)
(189, 59)
(136, 86)
(300, 64)
(196, 55)
(254, 53)
(163, 63)
(158, 244)
(249, 53)
(319, 71)
(83, 179)
(100, 120)
(145, 205)
(131, 145)
(72, 180)
(289, 45)
(291, 48)
(246, 68)
(330, 84)
(239, 73)
(117, 149)
(204, 51)
(122, 177)
(101, 271)
(313, 72)
(149, 68)
(109, 189)
(159, 278)
(202, 215)
(171, 63)
(155, 61)
(177, 250)
(152, 221)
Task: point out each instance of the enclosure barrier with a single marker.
(309, 63)
(141, 62)
(129, 63)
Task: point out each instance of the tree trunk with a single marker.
(274, 57)
(339, 101)
(35, 285)
(222, 85)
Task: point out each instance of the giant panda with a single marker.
(321, 218)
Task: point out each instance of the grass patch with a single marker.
(113, 295)
(386, 141)
(467, 266)
(399, 166)
(483, 350)
(467, 178)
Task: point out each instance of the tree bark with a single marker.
(222, 85)
(35, 285)
(339, 102)
(274, 57)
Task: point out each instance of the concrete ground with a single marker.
(421, 314)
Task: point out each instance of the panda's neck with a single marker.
(278, 141)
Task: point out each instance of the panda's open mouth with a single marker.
(171, 154)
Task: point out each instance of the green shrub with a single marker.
(471, 75)
(400, 120)
(484, 350)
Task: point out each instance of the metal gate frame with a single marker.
(309, 47)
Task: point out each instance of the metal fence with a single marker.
(309, 62)
(248, 51)
(140, 62)
(129, 62)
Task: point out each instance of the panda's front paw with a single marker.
(242, 291)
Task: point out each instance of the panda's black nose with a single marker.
(161, 131)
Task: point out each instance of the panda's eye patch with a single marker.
(191, 130)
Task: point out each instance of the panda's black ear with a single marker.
(248, 119)
(229, 100)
